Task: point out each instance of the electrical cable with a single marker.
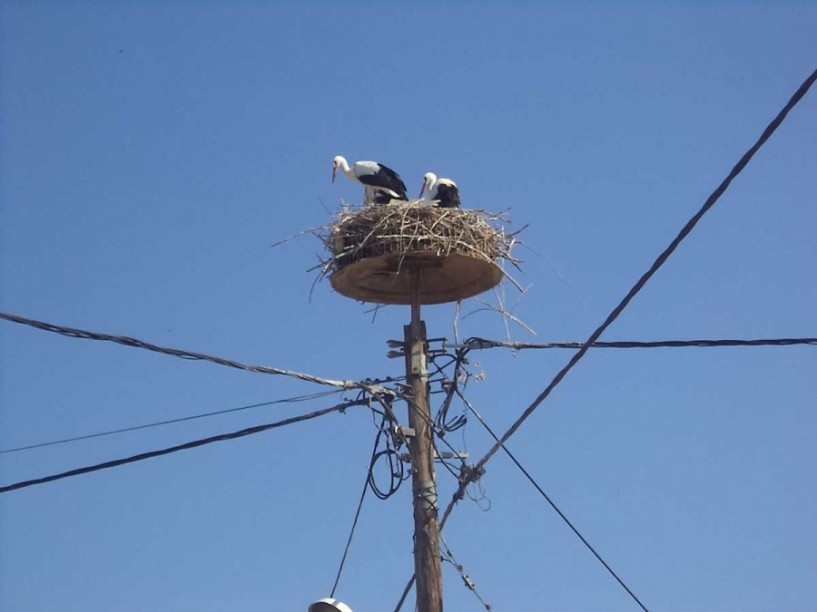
(552, 503)
(133, 342)
(660, 260)
(481, 343)
(174, 449)
(396, 468)
(406, 591)
(443, 462)
(442, 421)
(300, 398)
(357, 513)
(396, 471)
(466, 579)
(428, 420)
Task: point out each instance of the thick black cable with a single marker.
(357, 512)
(72, 332)
(482, 343)
(396, 469)
(396, 473)
(690, 225)
(110, 432)
(551, 502)
(180, 447)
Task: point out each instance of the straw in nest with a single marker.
(412, 229)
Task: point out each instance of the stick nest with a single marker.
(410, 229)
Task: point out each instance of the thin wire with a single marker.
(180, 447)
(450, 386)
(133, 342)
(406, 591)
(443, 462)
(690, 225)
(466, 579)
(551, 502)
(111, 432)
(357, 512)
(481, 343)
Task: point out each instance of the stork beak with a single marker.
(422, 190)
(334, 172)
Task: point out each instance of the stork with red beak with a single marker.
(381, 184)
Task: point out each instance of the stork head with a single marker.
(338, 162)
(428, 181)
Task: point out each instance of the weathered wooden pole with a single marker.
(424, 489)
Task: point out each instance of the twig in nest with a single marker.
(309, 230)
(501, 310)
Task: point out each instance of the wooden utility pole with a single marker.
(423, 486)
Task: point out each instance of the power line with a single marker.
(547, 498)
(662, 257)
(406, 591)
(466, 579)
(72, 332)
(551, 502)
(181, 447)
(482, 343)
(453, 389)
(366, 485)
(111, 432)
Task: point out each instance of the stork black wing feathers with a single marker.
(448, 195)
(386, 178)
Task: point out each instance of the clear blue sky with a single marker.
(150, 154)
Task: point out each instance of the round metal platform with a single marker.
(389, 279)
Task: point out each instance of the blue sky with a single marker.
(150, 154)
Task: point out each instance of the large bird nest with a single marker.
(412, 252)
(411, 229)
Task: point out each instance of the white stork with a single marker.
(381, 183)
(443, 190)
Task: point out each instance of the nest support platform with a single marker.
(409, 252)
(390, 279)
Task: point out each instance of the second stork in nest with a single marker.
(442, 190)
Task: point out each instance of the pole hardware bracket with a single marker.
(404, 432)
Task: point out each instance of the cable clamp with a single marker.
(469, 474)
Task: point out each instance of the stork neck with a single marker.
(429, 181)
(344, 165)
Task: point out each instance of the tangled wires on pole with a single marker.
(389, 452)
(387, 462)
(443, 422)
